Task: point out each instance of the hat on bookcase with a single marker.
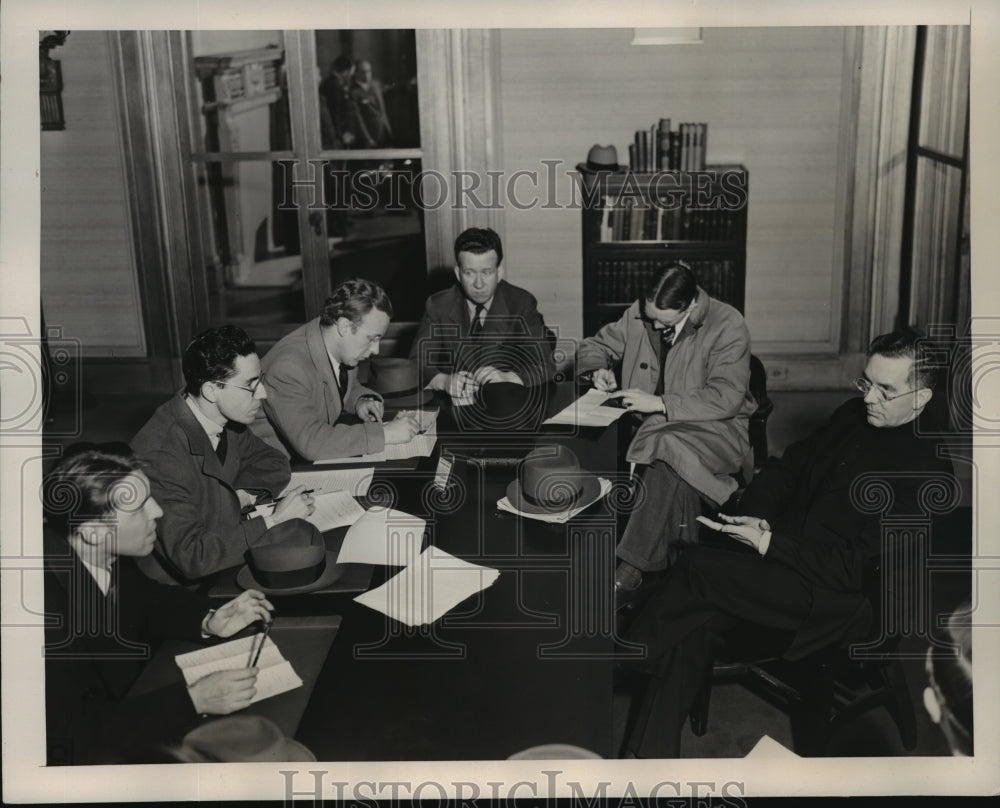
(600, 158)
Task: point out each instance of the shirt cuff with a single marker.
(204, 624)
(765, 543)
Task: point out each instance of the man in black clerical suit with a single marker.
(801, 544)
(102, 615)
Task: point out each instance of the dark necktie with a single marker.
(342, 381)
(223, 445)
(666, 342)
(477, 323)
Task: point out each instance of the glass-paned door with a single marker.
(304, 173)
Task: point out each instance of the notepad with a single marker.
(275, 674)
(430, 587)
(355, 481)
(383, 536)
(332, 509)
(588, 410)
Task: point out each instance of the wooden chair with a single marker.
(822, 692)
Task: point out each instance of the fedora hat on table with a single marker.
(600, 158)
(398, 382)
(550, 480)
(294, 562)
(240, 739)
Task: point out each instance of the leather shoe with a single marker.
(627, 578)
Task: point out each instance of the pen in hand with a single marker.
(279, 499)
(263, 639)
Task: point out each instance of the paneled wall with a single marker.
(88, 274)
(772, 99)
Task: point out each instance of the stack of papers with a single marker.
(561, 516)
(275, 674)
(383, 536)
(435, 583)
(333, 509)
(588, 410)
(355, 481)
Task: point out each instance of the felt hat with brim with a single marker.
(398, 382)
(600, 158)
(240, 739)
(550, 480)
(293, 560)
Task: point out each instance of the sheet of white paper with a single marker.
(417, 446)
(587, 410)
(561, 516)
(383, 536)
(333, 509)
(435, 583)
(355, 481)
(275, 674)
(377, 457)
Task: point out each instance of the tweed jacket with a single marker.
(703, 435)
(513, 337)
(200, 531)
(303, 404)
(96, 647)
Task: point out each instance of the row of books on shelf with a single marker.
(660, 148)
(619, 283)
(633, 221)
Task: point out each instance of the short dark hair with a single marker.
(479, 240)
(907, 343)
(353, 299)
(672, 286)
(79, 488)
(211, 356)
(341, 63)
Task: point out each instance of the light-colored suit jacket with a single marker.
(303, 402)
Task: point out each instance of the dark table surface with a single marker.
(525, 662)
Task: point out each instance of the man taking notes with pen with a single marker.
(100, 517)
(311, 381)
(206, 467)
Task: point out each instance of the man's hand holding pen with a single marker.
(225, 692)
(296, 504)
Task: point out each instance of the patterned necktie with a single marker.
(342, 381)
(666, 342)
(477, 322)
(222, 446)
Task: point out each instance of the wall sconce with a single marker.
(666, 36)
(50, 80)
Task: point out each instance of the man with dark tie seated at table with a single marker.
(311, 376)
(206, 466)
(102, 615)
(795, 561)
(483, 329)
(685, 365)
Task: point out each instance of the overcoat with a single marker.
(703, 435)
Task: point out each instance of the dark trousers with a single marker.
(708, 594)
(664, 518)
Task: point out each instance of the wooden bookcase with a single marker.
(633, 224)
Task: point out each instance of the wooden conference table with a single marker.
(527, 661)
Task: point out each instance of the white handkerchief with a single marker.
(434, 584)
(561, 516)
(383, 536)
